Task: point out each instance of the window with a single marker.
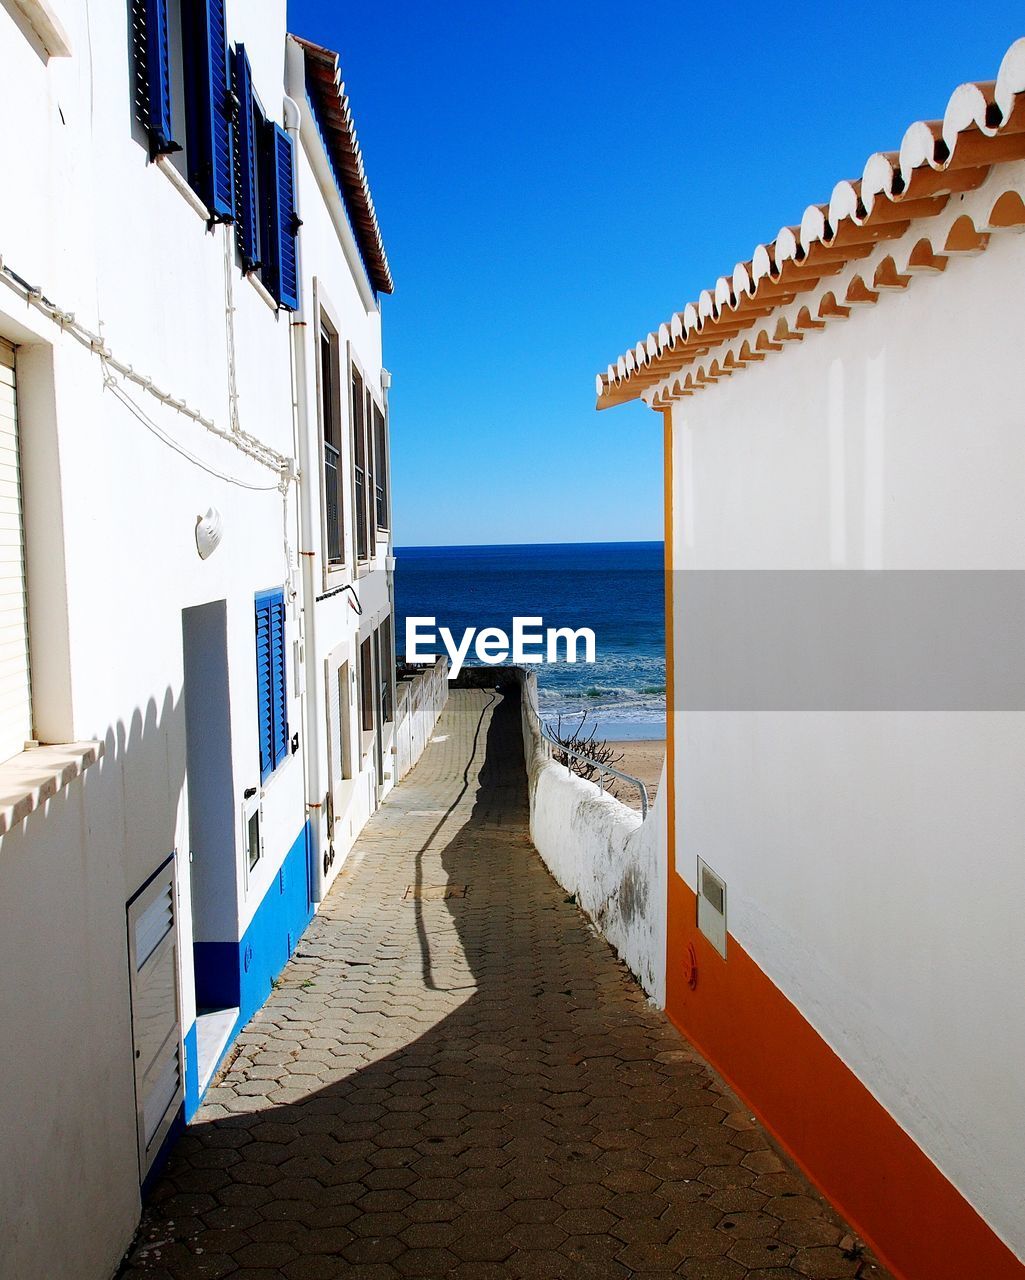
(359, 464)
(381, 468)
(271, 676)
(254, 835)
(385, 668)
(187, 90)
(330, 412)
(368, 426)
(366, 685)
(180, 55)
(344, 764)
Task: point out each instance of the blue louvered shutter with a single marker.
(210, 107)
(271, 681)
(278, 679)
(264, 696)
(247, 191)
(157, 64)
(281, 224)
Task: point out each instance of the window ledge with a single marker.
(48, 27)
(166, 165)
(31, 778)
(262, 291)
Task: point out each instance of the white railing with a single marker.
(555, 746)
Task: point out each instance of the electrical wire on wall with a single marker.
(111, 383)
(116, 373)
(251, 446)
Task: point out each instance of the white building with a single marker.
(845, 870)
(196, 673)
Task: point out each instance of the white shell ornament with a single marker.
(209, 530)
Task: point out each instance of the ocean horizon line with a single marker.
(513, 546)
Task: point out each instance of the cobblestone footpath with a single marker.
(455, 1076)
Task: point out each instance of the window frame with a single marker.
(366, 681)
(357, 444)
(382, 472)
(386, 670)
(333, 570)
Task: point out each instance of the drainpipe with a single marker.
(390, 571)
(307, 556)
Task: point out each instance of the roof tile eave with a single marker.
(983, 126)
(324, 83)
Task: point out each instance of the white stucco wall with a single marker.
(873, 860)
(599, 849)
(110, 517)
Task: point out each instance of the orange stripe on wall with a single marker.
(847, 1143)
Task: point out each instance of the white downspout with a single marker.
(390, 578)
(307, 557)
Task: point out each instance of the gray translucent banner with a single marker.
(849, 640)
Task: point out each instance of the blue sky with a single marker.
(553, 180)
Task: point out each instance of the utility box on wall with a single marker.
(712, 907)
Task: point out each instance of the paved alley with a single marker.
(455, 1076)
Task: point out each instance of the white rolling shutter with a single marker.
(15, 689)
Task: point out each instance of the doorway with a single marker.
(212, 830)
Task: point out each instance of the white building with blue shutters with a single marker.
(196, 639)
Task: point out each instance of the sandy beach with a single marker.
(643, 759)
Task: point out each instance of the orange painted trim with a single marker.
(843, 1138)
(916, 1221)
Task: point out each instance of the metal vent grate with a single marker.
(713, 889)
(712, 907)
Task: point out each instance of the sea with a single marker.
(615, 588)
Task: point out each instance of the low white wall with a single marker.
(601, 851)
(419, 703)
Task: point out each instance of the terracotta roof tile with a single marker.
(983, 126)
(331, 102)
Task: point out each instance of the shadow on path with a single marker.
(473, 1085)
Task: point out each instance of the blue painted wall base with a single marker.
(230, 974)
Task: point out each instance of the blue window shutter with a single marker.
(288, 221)
(159, 120)
(271, 681)
(279, 679)
(264, 700)
(247, 194)
(210, 106)
(281, 224)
